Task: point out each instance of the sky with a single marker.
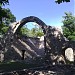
(47, 10)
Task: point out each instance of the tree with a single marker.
(33, 32)
(60, 1)
(3, 2)
(9, 17)
(39, 32)
(24, 31)
(2, 11)
(6, 17)
(36, 32)
(69, 26)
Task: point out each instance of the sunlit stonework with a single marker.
(51, 46)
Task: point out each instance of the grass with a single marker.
(12, 66)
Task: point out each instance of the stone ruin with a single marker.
(53, 46)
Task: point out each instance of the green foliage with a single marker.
(39, 33)
(3, 12)
(3, 2)
(71, 37)
(24, 31)
(60, 1)
(34, 32)
(6, 18)
(69, 26)
(4, 29)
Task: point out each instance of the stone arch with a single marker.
(41, 24)
(31, 19)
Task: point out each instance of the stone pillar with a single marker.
(1, 56)
(46, 50)
(69, 54)
(23, 52)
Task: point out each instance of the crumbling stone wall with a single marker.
(57, 45)
(29, 44)
(7, 41)
(54, 42)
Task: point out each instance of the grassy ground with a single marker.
(12, 66)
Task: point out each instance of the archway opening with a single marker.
(31, 29)
(32, 35)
